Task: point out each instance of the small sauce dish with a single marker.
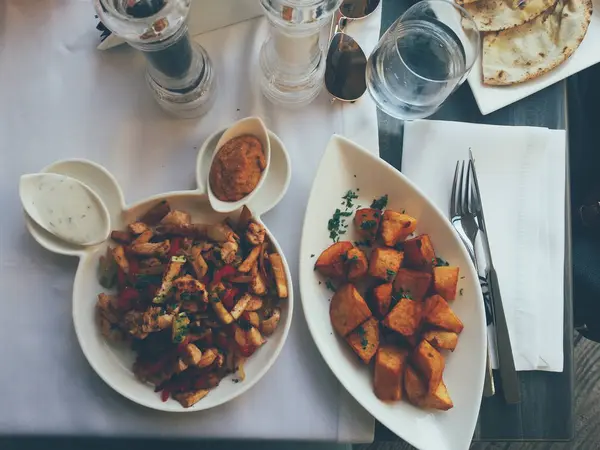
(253, 127)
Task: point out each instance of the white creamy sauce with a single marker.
(68, 210)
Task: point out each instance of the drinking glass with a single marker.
(422, 58)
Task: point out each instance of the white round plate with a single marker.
(114, 363)
(355, 167)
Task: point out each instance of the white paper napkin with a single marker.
(492, 98)
(521, 172)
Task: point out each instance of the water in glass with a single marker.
(415, 68)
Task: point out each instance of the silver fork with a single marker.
(463, 217)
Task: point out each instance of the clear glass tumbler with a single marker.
(423, 57)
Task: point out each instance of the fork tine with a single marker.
(469, 190)
(453, 198)
(462, 209)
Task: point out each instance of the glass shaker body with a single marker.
(292, 59)
(179, 71)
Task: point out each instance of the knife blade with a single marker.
(506, 362)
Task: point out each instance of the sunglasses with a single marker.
(346, 62)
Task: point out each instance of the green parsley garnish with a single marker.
(437, 262)
(405, 294)
(390, 274)
(330, 286)
(365, 243)
(348, 197)
(336, 224)
(460, 292)
(363, 339)
(380, 203)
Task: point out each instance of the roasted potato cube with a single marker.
(279, 275)
(437, 312)
(250, 260)
(404, 318)
(331, 262)
(412, 283)
(389, 372)
(122, 237)
(155, 214)
(419, 253)
(442, 340)
(439, 399)
(382, 299)
(364, 340)
(258, 285)
(445, 279)
(357, 264)
(347, 310)
(367, 221)
(396, 227)
(384, 263)
(188, 399)
(415, 387)
(138, 228)
(430, 363)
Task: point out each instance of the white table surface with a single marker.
(60, 98)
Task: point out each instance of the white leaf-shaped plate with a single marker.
(346, 166)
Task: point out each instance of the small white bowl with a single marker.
(248, 126)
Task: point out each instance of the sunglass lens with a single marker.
(345, 68)
(355, 9)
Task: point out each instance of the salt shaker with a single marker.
(179, 71)
(292, 59)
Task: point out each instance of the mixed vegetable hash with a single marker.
(192, 300)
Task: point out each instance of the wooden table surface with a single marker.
(546, 410)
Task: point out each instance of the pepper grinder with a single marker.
(179, 72)
(292, 59)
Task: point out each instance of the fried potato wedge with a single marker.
(347, 309)
(414, 386)
(367, 222)
(357, 263)
(331, 262)
(382, 299)
(396, 227)
(439, 399)
(384, 263)
(413, 283)
(405, 317)
(430, 363)
(389, 372)
(437, 312)
(441, 339)
(419, 253)
(364, 340)
(445, 280)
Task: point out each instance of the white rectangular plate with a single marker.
(492, 98)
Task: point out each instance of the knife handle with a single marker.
(488, 382)
(506, 362)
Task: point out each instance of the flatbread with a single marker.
(535, 48)
(495, 15)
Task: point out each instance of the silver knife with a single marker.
(506, 362)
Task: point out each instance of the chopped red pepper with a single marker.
(246, 350)
(175, 246)
(134, 269)
(229, 297)
(127, 297)
(165, 394)
(201, 383)
(224, 271)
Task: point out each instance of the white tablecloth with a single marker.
(60, 98)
